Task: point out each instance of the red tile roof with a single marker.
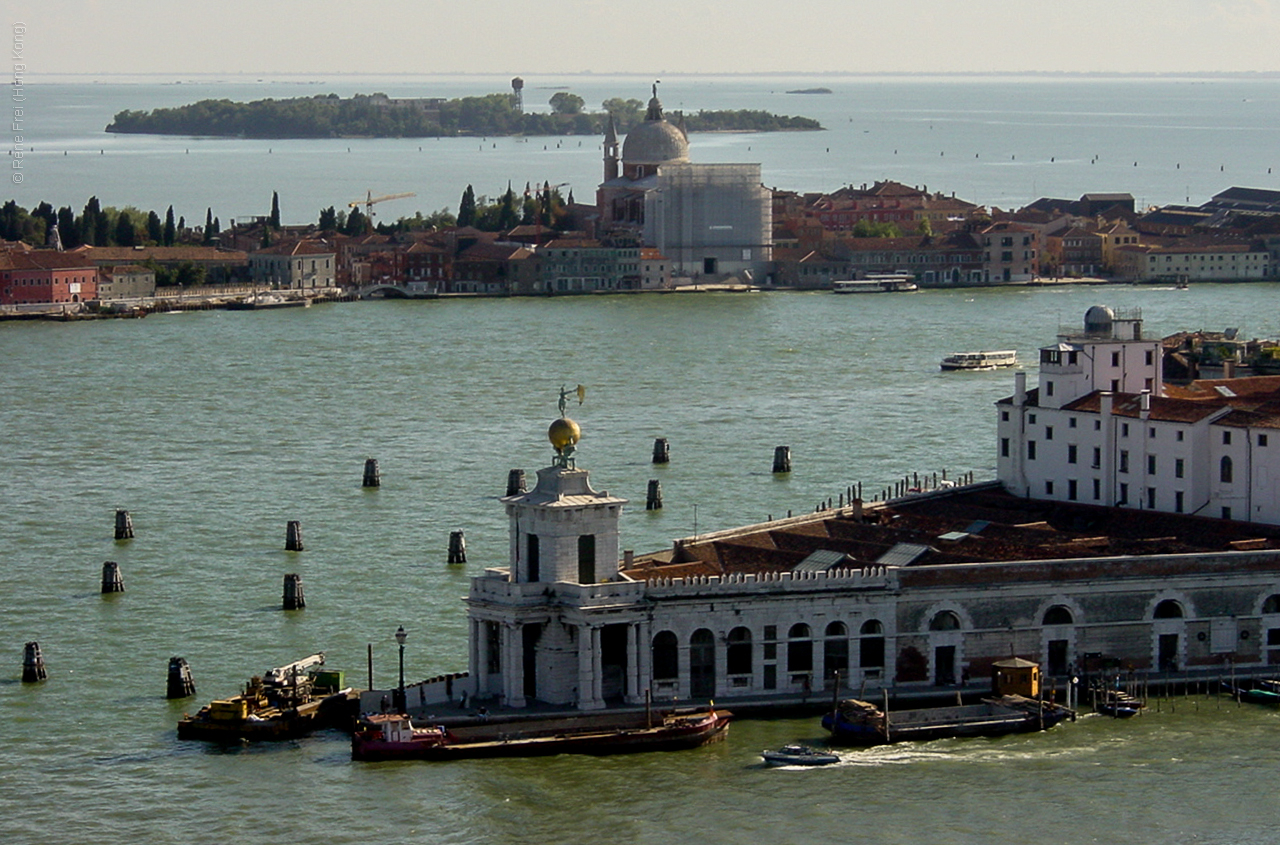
(44, 259)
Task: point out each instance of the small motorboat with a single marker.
(798, 755)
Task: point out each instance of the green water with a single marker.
(214, 429)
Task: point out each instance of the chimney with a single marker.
(1020, 388)
(1144, 405)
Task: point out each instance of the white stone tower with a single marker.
(535, 632)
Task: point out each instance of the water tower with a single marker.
(517, 93)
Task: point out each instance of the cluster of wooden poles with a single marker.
(180, 684)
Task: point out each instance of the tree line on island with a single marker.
(378, 116)
(99, 226)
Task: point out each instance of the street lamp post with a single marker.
(401, 636)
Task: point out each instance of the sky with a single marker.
(648, 36)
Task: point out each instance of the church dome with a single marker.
(655, 142)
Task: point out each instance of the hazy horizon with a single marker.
(853, 37)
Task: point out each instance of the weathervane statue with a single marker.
(564, 433)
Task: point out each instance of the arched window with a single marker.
(835, 651)
(1168, 609)
(666, 656)
(1272, 604)
(871, 646)
(1224, 470)
(1058, 615)
(738, 654)
(702, 664)
(799, 649)
(945, 621)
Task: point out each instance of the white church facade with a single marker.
(709, 220)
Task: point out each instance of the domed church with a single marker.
(713, 221)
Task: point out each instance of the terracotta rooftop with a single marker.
(305, 247)
(1254, 400)
(43, 259)
(979, 524)
(124, 269)
(131, 255)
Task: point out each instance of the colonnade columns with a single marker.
(513, 665)
(633, 690)
(479, 657)
(644, 663)
(590, 682)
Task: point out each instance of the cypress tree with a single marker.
(357, 222)
(45, 212)
(155, 230)
(125, 234)
(467, 208)
(88, 224)
(170, 232)
(67, 229)
(507, 217)
(102, 229)
(275, 210)
(208, 226)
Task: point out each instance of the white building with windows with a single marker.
(1134, 524)
(918, 594)
(1102, 428)
(300, 265)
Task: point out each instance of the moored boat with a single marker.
(1117, 703)
(260, 301)
(393, 736)
(798, 755)
(876, 284)
(861, 723)
(991, 360)
(284, 703)
(1254, 693)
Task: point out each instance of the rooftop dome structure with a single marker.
(656, 140)
(1098, 320)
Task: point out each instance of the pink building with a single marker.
(46, 276)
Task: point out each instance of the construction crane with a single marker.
(369, 201)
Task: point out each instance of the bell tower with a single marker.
(611, 150)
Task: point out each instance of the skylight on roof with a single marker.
(1225, 391)
(821, 560)
(902, 554)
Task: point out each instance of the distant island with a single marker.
(380, 116)
(811, 91)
